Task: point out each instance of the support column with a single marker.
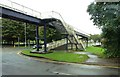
(71, 43)
(37, 38)
(87, 42)
(76, 47)
(66, 42)
(45, 39)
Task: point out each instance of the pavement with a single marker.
(95, 60)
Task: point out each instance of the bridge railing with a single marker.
(19, 8)
(56, 44)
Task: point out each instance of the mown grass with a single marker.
(96, 50)
(60, 56)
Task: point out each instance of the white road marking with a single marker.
(60, 73)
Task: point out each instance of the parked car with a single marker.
(35, 46)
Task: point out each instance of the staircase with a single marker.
(64, 28)
(56, 44)
(75, 40)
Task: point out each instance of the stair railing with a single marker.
(56, 44)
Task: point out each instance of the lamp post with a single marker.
(45, 39)
(25, 33)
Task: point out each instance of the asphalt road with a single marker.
(15, 64)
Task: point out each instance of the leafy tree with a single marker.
(106, 15)
(12, 29)
(51, 33)
(96, 38)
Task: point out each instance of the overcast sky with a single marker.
(73, 12)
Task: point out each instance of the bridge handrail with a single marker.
(55, 44)
(12, 7)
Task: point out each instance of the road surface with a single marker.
(15, 64)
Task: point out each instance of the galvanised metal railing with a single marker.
(55, 44)
(19, 8)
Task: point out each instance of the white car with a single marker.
(35, 46)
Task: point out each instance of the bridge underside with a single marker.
(55, 23)
(11, 14)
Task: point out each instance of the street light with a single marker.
(25, 33)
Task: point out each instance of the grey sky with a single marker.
(73, 12)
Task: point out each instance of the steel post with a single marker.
(72, 43)
(45, 39)
(37, 38)
(66, 42)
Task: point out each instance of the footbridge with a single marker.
(15, 11)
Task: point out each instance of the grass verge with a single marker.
(59, 56)
(96, 50)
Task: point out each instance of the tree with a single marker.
(106, 15)
(51, 33)
(9, 30)
(12, 30)
(96, 38)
